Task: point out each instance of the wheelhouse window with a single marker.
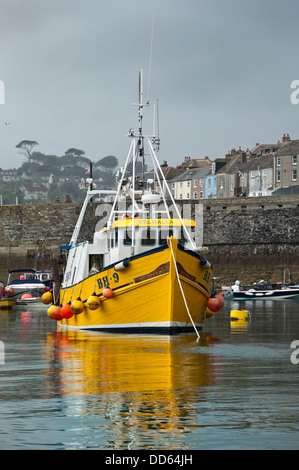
(128, 236)
(148, 237)
(163, 234)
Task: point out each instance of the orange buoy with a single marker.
(215, 303)
(26, 296)
(56, 313)
(220, 299)
(108, 292)
(66, 312)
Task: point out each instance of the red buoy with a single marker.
(108, 292)
(26, 296)
(56, 313)
(215, 303)
(66, 312)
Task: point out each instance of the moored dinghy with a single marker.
(142, 272)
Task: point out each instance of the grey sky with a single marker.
(221, 70)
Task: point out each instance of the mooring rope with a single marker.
(184, 298)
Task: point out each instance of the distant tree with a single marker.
(108, 163)
(74, 152)
(83, 161)
(26, 147)
(38, 157)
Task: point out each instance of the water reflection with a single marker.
(236, 387)
(144, 382)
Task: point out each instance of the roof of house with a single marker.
(289, 148)
(34, 187)
(190, 174)
(233, 163)
(189, 163)
(257, 163)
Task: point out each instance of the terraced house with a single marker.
(261, 171)
(285, 166)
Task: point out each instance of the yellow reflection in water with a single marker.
(143, 385)
(101, 363)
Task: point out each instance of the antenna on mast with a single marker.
(150, 63)
(140, 102)
(156, 132)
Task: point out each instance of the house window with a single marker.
(181, 196)
(195, 184)
(201, 195)
(201, 181)
(294, 175)
(278, 176)
(188, 195)
(181, 184)
(278, 161)
(209, 183)
(294, 159)
(195, 195)
(188, 184)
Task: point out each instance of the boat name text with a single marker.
(105, 281)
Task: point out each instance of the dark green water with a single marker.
(234, 389)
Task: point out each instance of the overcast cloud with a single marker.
(221, 70)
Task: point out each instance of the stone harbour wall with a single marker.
(244, 238)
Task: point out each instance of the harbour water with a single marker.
(236, 388)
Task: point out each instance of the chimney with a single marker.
(286, 138)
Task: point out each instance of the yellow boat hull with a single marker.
(7, 303)
(146, 295)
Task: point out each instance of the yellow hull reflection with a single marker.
(99, 363)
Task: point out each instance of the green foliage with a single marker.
(108, 163)
(72, 164)
(26, 147)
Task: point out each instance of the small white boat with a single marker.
(265, 291)
(23, 282)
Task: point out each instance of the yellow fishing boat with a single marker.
(143, 271)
